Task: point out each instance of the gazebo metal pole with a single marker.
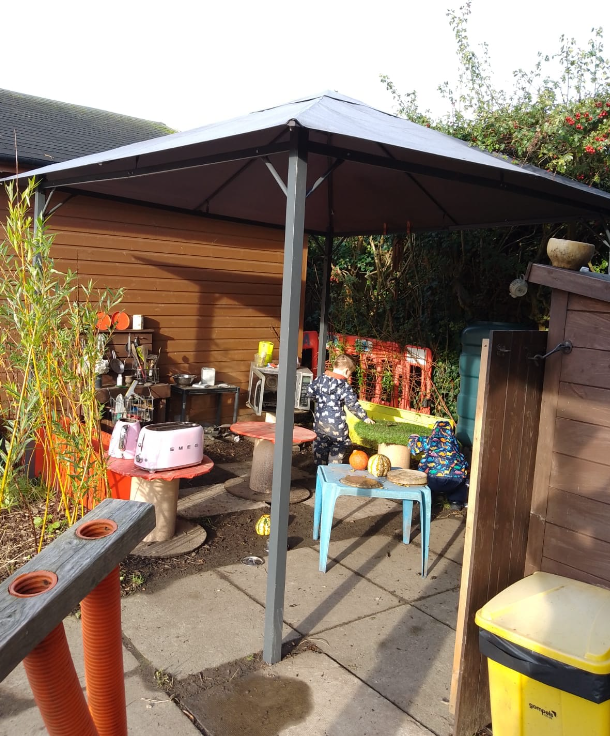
(326, 271)
(325, 302)
(289, 331)
(39, 203)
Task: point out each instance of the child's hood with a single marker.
(442, 431)
(330, 383)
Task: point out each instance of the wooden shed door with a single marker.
(504, 455)
(570, 523)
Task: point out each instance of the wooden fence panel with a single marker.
(576, 402)
(577, 550)
(506, 433)
(579, 513)
(571, 508)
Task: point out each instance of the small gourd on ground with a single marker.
(263, 525)
(358, 460)
(379, 465)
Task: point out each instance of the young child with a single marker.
(444, 463)
(332, 392)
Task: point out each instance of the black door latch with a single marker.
(564, 347)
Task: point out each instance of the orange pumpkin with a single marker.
(358, 460)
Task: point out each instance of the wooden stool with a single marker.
(159, 488)
(258, 487)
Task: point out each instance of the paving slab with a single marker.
(241, 468)
(404, 655)
(314, 601)
(394, 566)
(194, 623)
(443, 607)
(212, 501)
(352, 508)
(305, 695)
(149, 710)
(447, 537)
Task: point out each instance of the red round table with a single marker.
(159, 488)
(258, 488)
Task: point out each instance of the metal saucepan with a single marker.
(116, 364)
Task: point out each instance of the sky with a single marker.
(188, 63)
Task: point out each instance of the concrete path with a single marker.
(382, 638)
(149, 709)
(375, 651)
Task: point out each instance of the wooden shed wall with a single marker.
(570, 529)
(210, 289)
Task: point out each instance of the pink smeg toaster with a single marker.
(169, 445)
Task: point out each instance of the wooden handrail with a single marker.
(593, 285)
(80, 564)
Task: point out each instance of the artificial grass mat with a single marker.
(390, 433)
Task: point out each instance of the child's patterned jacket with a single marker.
(331, 393)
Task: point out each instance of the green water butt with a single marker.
(470, 368)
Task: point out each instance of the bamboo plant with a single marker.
(49, 352)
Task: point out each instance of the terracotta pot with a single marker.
(570, 254)
(44, 466)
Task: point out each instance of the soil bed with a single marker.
(19, 534)
(231, 537)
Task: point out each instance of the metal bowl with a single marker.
(185, 379)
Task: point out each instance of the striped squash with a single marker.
(379, 465)
(263, 525)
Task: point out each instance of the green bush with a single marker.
(424, 289)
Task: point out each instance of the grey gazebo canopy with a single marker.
(386, 171)
(328, 165)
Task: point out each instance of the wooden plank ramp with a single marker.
(80, 564)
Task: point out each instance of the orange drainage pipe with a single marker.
(103, 644)
(50, 669)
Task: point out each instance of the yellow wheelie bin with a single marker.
(547, 642)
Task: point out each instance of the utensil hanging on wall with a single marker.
(136, 356)
(116, 364)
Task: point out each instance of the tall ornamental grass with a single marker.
(49, 348)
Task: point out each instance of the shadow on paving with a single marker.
(405, 660)
(232, 536)
(401, 653)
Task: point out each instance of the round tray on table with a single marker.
(361, 481)
(404, 477)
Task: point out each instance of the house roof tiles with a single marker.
(47, 131)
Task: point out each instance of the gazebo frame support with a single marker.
(428, 156)
(289, 332)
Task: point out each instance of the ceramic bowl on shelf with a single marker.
(571, 254)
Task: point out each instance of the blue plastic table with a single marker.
(329, 488)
